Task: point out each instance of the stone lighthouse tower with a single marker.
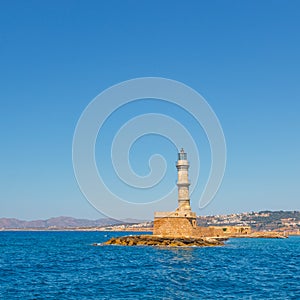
(182, 221)
(183, 182)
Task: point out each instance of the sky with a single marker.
(243, 57)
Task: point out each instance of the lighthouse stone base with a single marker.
(175, 224)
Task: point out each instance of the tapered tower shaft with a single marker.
(183, 182)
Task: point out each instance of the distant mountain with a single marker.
(259, 221)
(61, 222)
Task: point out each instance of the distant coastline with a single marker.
(263, 221)
(90, 229)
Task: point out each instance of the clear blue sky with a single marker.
(56, 56)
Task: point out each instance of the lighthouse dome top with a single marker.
(182, 155)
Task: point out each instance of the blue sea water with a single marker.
(65, 265)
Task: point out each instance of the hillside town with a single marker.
(259, 221)
(283, 221)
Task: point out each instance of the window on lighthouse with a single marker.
(182, 156)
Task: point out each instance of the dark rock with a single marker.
(151, 240)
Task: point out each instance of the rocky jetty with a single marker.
(268, 234)
(151, 240)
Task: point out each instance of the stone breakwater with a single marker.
(269, 235)
(150, 240)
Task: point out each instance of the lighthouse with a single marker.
(182, 221)
(183, 182)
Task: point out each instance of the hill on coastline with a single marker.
(62, 222)
(259, 221)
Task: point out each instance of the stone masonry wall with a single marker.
(175, 227)
(186, 227)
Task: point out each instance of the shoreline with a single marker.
(71, 229)
(256, 234)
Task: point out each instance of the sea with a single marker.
(66, 265)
